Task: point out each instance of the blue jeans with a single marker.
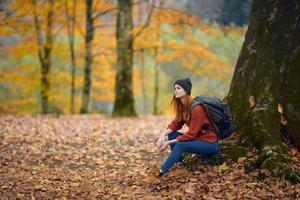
(197, 147)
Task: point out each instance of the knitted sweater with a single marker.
(198, 118)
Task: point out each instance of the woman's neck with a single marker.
(182, 99)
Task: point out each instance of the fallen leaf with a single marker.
(151, 179)
(222, 167)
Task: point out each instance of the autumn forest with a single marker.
(99, 99)
(64, 54)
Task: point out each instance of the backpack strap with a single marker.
(201, 103)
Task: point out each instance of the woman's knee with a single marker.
(178, 146)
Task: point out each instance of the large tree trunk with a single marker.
(88, 57)
(124, 101)
(44, 52)
(71, 20)
(268, 69)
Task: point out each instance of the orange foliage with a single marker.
(169, 32)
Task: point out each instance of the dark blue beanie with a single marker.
(185, 83)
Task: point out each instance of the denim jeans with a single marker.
(197, 147)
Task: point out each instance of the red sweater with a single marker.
(198, 118)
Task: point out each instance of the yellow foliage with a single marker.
(168, 33)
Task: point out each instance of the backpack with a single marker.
(218, 112)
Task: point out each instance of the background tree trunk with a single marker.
(268, 69)
(156, 65)
(124, 101)
(156, 82)
(44, 52)
(88, 57)
(144, 96)
(71, 20)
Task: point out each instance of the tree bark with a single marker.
(71, 20)
(268, 69)
(88, 57)
(144, 96)
(44, 53)
(156, 66)
(156, 80)
(124, 100)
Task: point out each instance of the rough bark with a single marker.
(71, 20)
(88, 57)
(124, 101)
(44, 53)
(268, 68)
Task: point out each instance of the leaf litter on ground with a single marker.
(99, 157)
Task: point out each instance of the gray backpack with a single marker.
(219, 113)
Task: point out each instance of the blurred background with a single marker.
(199, 39)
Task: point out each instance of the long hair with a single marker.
(182, 110)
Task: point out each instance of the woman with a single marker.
(197, 139)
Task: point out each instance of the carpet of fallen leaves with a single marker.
(98, 157)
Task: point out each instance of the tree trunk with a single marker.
(156, 66)
(268, 69)
(124, 101)
(44, 53)
(88, 57)
(71, 20)
(156, 87)
(144, 96)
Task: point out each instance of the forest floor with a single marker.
(98, 157)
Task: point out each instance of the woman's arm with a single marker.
(173, 126)
(166, 144)
(166, 132)
(161, 138)
(197, 120)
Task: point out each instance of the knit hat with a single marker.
(185, 83)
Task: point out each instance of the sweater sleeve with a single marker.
(197, 120)
(175, 125)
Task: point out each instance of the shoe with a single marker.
(161, 173)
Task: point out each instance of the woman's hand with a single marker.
(161, 139)
(164, 146)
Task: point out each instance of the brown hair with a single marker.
(182, 111)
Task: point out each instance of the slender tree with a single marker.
(71, 21)
(144, 95)
(44, 51)
(156, 65)
(124, 101)
(88, 58)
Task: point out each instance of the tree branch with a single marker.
(147, 21)
(115, 9)
(38, 31)
(104, 12)
(104, 25)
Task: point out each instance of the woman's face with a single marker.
(179, 92)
